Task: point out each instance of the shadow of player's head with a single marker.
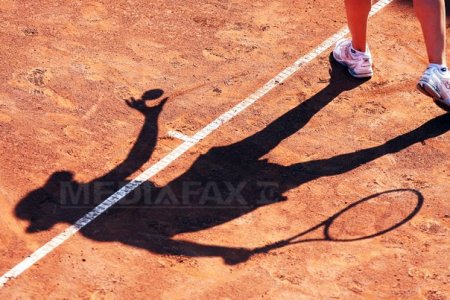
(42, 207)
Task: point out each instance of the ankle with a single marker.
(357, 51)
(358, 46)
(437, 60)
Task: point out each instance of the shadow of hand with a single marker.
(141, 106)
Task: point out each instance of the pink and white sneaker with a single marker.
(359, 64)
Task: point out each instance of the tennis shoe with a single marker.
(435, 83)
(359, 64)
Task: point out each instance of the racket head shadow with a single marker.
(373, 216)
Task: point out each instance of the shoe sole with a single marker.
(366, 75)
(428, 90)
(356, 75)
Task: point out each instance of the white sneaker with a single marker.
(359, 64)
(435, 83)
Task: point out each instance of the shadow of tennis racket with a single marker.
(365, 219)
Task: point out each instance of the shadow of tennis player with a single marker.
(221, 185)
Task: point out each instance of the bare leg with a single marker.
(357, 15)
(431, 14)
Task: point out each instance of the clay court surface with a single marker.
(370, 159)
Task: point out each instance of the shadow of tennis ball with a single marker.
(374, 215)
(152, 94)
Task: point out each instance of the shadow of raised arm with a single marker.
(143, 148)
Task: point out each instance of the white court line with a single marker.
(179, 135)
(176, 153)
